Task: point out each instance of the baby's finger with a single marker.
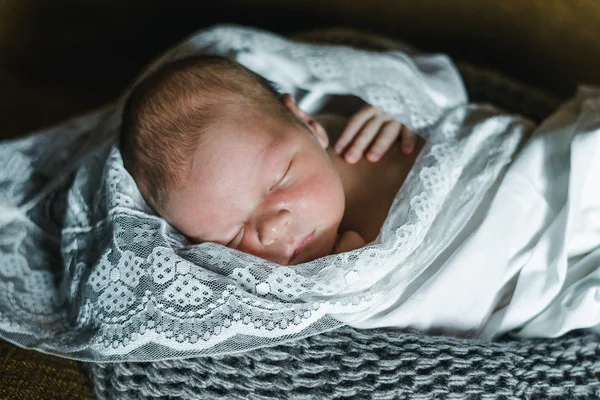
(409, 140)
(388, 135)
(363, 140)
(354, 125)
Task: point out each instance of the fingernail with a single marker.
(373, 156)
(351, 157)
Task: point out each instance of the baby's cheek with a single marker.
(327, 187)
(246, 246)
(349, 241)
(332, 197)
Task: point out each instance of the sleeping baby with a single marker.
(224, 158)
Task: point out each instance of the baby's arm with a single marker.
(348, 241)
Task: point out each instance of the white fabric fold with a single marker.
(528, 261)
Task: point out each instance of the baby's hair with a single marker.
(168, 112)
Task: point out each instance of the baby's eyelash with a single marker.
(240, 234)
(285, 173)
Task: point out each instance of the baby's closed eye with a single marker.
(284, 176)
(235, 242)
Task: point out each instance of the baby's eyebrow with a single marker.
(270, 149)
(265, 157)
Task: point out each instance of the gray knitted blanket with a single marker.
(370, 364)
(381, 363)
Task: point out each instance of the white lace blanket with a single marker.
(87, 271)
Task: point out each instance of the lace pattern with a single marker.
(88, 271)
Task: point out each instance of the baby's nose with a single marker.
(274, 227)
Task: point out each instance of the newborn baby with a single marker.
(223, 157)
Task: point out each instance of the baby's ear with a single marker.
(320, 133)
(317, 129)
(289, 101)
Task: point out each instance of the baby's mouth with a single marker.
(309, 238)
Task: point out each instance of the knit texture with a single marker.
(382, 364)
(370, 364)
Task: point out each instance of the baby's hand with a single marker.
(373, 127)
(347, 241)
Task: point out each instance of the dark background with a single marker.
(62, 57)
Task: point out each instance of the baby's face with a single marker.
(263, 186)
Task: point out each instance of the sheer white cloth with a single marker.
(528, 260)
(89, 272)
